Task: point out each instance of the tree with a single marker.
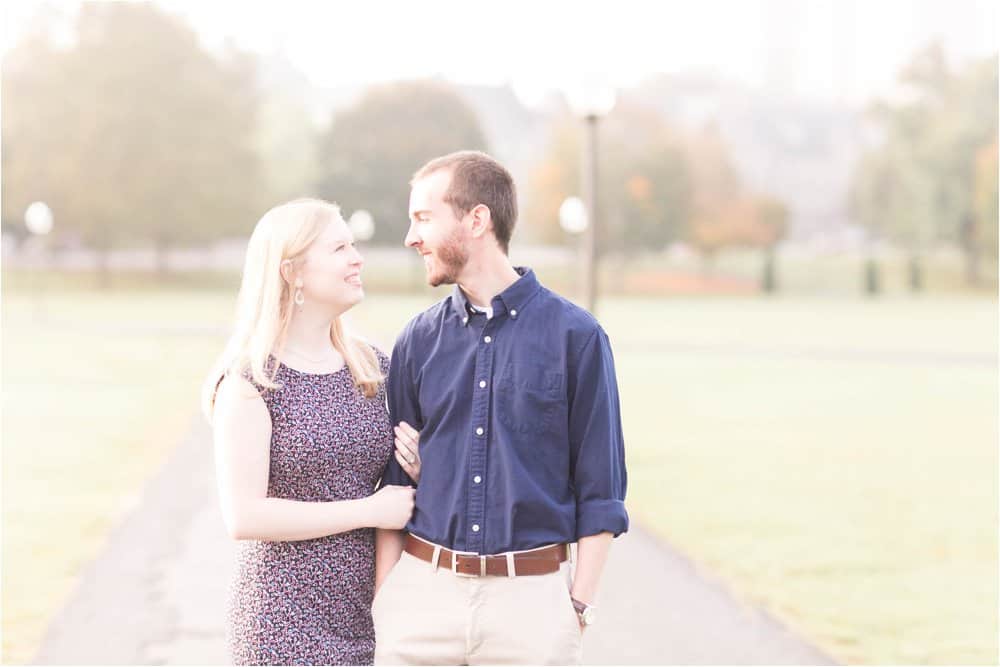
(372, 149)
(918, 187)
(287, 135)
(985, 214)
(135, 133)
(36, 127)
(645, 186)
(556, 177)
(724, 214)
(718, 210)
(770, 226)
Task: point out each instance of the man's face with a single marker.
(435, 232)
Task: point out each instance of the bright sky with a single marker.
(821, 49)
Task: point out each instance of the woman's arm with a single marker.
(242, 433)
(388, 550)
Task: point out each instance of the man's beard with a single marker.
(449, 260)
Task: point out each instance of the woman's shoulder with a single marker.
(383, 358)
(238, 393)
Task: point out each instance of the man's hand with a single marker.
(591, 554)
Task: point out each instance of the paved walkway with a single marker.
(157, 593)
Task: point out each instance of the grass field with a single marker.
(834, 460)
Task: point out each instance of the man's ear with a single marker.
(482, 220)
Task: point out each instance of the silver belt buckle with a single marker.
(454, 564)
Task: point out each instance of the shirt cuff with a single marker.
(395, 475)
(599, 516)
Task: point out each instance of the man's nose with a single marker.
(412, 239)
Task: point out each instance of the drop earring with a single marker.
(299, 297)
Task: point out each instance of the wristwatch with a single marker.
(584, 611)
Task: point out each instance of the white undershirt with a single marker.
(488, 310)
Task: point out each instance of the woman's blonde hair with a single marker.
(265, 304)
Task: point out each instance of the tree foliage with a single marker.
(930, 180)
(657, 186)
(644, 194)
(135, 133)
(372, 149)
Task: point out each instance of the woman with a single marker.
(302, 433)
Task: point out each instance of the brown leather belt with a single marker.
(526, 563)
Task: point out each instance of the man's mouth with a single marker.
(353, 279)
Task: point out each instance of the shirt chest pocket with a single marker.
(530, 399)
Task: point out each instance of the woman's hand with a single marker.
(391, 507)
(408, 450)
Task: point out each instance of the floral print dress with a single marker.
(309, 602)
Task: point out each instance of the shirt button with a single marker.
(465, 320)
(488, 340)
(479, 431)
(475, 527)
(513, 313)
(482, 384)
(477, 479)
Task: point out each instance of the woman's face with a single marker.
(331, 272)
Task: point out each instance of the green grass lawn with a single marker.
(833, 460)
(852, 493)
(94, 397)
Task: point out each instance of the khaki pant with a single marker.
(428, 617)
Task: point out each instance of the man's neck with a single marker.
(482, 285)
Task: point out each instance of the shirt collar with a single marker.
(511, 301)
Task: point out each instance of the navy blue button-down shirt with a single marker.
(519, 419)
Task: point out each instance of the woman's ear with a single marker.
(287, 270)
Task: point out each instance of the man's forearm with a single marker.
(388, 549)
(591, 554)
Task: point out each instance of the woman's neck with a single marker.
(308, 337)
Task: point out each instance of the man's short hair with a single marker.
(476, 178)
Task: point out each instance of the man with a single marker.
(514, 393)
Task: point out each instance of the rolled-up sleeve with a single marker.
(597, 449)
(403, 406)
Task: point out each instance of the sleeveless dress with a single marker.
(309, 602)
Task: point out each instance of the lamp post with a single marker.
(573, 220)
(39, 220)
(590, 101)
(573, 215)
(362, 225)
